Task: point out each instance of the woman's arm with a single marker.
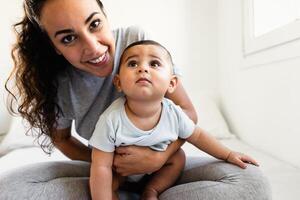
(139, 160)
(70, 146)
(181, 98)
(212, 146)
(101, 175)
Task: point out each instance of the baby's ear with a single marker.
(173, 84)
(117, 83)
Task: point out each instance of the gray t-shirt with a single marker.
(82, 97)
(115, 129)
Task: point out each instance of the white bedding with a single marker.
(17, 150)
(284, 178)
(23, 156)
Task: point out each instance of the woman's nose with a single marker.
(91, 45)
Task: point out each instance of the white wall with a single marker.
(261, 103)
(187, 27)
(203, 47)
(8, 17)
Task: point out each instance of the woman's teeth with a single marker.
(97, 60)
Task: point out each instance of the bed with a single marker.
(17, 150)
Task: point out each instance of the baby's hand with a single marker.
(240, 159)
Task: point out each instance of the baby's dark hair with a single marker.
(145, 42)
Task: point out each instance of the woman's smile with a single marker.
(99, 60)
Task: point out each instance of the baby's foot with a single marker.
(149, 194)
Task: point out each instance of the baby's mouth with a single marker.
(143, 80)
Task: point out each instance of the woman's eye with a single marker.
(155, 63)
(132, 64)
(95, 24)
(68, 39)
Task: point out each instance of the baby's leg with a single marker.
(164, 177)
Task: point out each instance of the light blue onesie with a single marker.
(114, 129)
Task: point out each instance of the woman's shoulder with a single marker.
(130, 30)
(130, 34)
(62, 81)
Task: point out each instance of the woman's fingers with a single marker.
(123, 150)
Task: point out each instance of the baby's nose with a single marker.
(143, 70)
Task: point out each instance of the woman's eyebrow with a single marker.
(63, 32)
(90, 17)
(70, 30)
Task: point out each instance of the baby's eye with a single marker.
(132, 63)
(68, 39)
(155, 63)
(95, 24)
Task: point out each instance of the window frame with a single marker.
(280, 36)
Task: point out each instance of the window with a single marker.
(269, 24)
(272, 14)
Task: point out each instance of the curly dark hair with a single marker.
(32, 84)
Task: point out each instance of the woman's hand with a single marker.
(138, 160)
(240, 159)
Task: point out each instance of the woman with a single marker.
(65, 59)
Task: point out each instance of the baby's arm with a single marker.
(210, 145)
(101, 175)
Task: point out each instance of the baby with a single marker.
(144, 117)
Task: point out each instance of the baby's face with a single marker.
(145, 72)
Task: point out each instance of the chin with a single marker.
(103, 74)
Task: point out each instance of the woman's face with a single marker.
(80, 32)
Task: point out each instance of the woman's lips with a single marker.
(100, 61)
